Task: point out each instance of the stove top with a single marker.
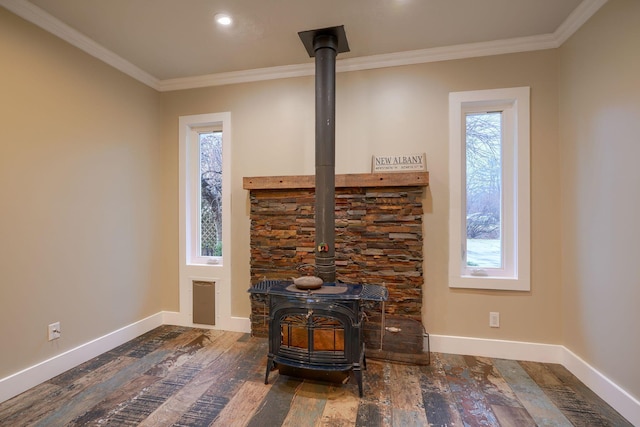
(338, 290)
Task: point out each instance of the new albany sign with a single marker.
(399, 163)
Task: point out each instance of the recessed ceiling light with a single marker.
(223, 19)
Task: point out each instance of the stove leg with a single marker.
(269, 368)
(358, 374)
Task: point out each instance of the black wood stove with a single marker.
(319, 329)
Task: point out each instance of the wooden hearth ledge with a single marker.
(392, 179)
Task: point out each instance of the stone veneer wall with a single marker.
(378, 241)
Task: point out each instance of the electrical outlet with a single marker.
(494, 319)
(54, 331)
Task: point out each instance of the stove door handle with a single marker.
(309, 314)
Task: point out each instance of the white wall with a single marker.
(600, 148)
(394, 111)
(80, 193)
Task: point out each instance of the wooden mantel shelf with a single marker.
(392, 179)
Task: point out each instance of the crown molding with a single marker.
(448, 53)
(233, 77)
(574, 21)
(47, 22)
(471, 50)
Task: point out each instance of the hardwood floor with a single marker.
(175, 376)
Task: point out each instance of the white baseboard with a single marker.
(627, 405)
(30, 377)
(235, 324)
(501, 349)
(619, 399)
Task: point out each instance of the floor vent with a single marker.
(204, 302)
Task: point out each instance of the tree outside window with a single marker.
(483, 189)
(211, 193)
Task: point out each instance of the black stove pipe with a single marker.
(325, 51)
(325, 44)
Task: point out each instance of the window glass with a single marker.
(210, 144)
(483, 190)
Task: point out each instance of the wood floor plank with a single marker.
(471, 403)
(405, 418)
(576, 411)
(341, 409)
(377, 378)
(508, 416)
(405, 388)
(533, 398)
(79, 387)
(580, 404)
(165, 358)
(27, 402)
(275, 406)
(493, 386)
(174, 348)
(213, 359)
(541, 374)
(168, 336)
(503, 402)
(81, 391)
(370, 414)
(218, 383)
(258, 363)
(439, 402)
(203, 412)
(407, 405)
(134, 406)
(375, 405)
(101, 411)
(152, 340)
(242, 406)
(86, 386)
(188, 349)
(307, 405)
(149, 399)
(254, 360)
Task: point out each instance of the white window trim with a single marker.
(516, 101)
(196, 268)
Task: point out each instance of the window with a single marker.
(208, 236)
(489, 193)
(204, 186)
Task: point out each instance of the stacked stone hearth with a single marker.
(378, 241)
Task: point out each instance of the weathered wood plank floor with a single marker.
(175, 376)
